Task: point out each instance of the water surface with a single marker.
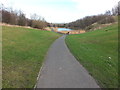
(64, 29)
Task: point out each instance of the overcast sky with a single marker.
(61, 11)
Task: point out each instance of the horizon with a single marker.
(61, 11)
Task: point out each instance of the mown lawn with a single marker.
(23, 53)
(97, 51)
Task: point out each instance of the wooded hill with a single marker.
(90, 22)
(87, 22)
(17, 17)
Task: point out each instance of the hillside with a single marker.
(97, 51)
(89, 23)
(23, 53)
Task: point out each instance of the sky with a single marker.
(61, 11)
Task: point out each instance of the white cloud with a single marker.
(95, 5)
(61, 13)
(5, 2)
(52, 14)
(83, 8)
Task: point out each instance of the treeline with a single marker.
(17, 17)
(86, 22)
(89, 20)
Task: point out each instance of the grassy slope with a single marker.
(93, 50)
(23, 53)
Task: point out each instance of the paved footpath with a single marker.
(62, 70)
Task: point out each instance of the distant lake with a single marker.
(64, 29)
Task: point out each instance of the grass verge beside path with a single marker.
(97, 51)
(23, 54)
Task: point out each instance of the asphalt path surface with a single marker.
(62, 70)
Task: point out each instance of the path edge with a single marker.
(80, 63)
(39, 73)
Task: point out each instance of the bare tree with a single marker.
(6, 16)
(119, 8)
(11, 16)
(108, 12)
(22, 19)
(116, 9)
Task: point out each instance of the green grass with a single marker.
(97, 51)
(23, 54)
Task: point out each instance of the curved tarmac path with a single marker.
(62, 70)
